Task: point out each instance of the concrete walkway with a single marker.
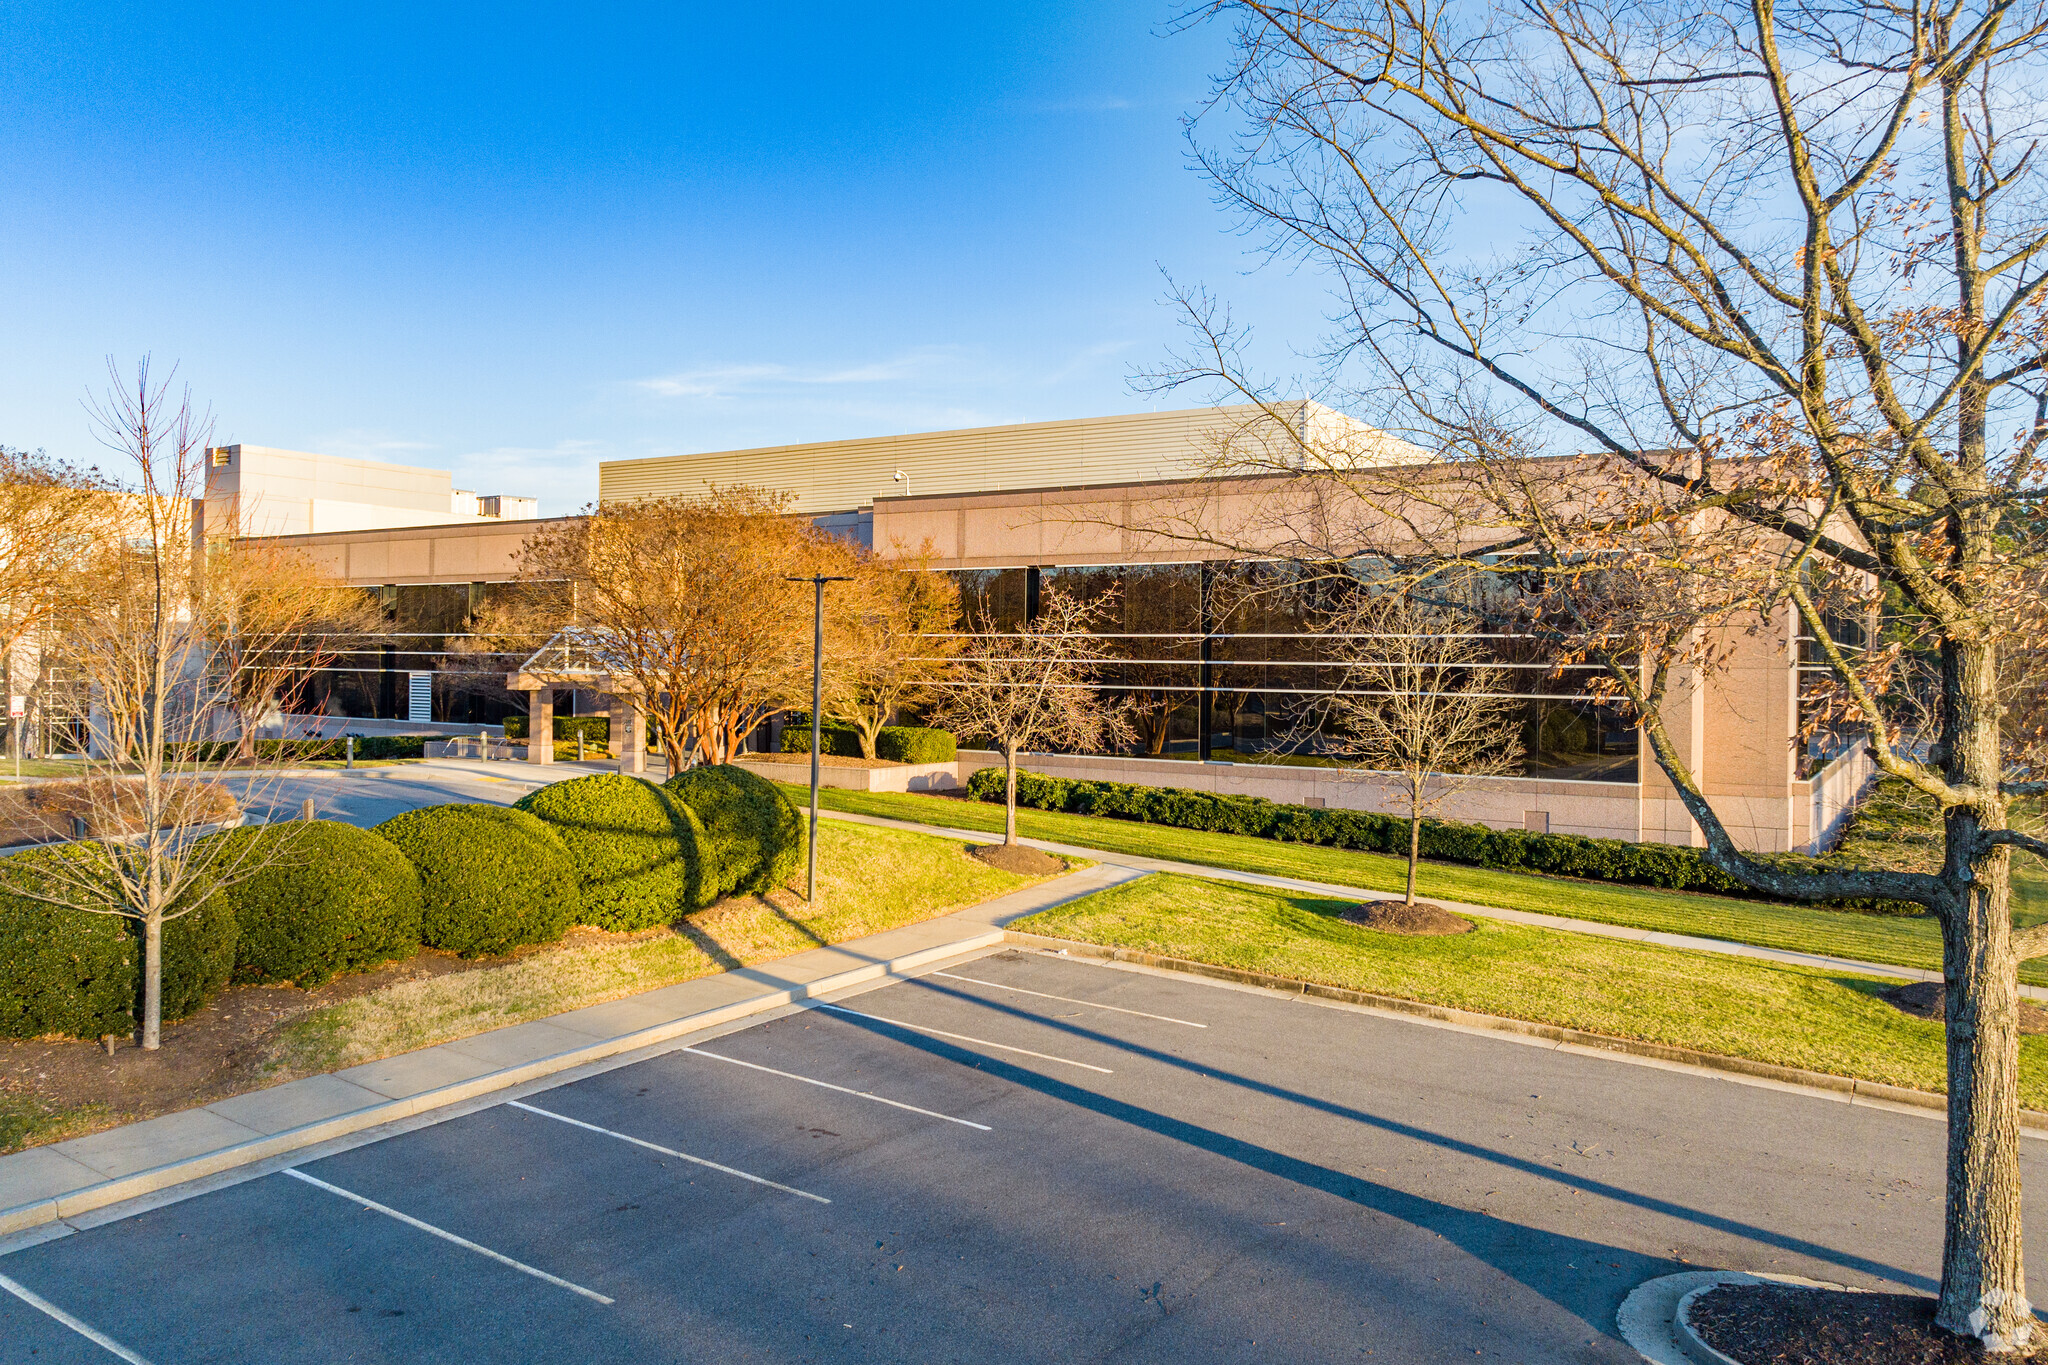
(1136, 866)
(63, 1180)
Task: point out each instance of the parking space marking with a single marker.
(445, 1235)
(997, 985)
(666, 1151)
(97, 1338)
(827, 1085)
(978, 1042)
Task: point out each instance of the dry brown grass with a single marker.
(44, 811)
(869, 880)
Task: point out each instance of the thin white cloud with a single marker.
(357, 443)
(732, 381)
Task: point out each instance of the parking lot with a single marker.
(1021, 1158)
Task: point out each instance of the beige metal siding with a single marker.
(839, 476)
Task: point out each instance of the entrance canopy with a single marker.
(589, 657)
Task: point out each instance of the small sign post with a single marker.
(17, 707)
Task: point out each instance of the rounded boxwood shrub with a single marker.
(639, 853)
(754, 835)
(314, 898)
(491, 879)
(79, 973)
(61, 971)
(199, 952)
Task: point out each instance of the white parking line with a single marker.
(666, 1151)
(445, 1235)
(997, 985)
(978, 1042)
(97, 1338)
(827, 1085)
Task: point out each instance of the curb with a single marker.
(1652, 1318)
(87, 1198)
(1577, 1038)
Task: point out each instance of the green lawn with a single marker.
(1793, 1016)
(1895, 940)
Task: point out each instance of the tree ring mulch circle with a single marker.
(1927, 999)
(1019, 858)
(1398, 917)
(1783, 1324)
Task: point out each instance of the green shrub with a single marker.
(199, 952)
(1450, 841)
(596, 730)
(491, 879)
(61, 971)
(839, 738)
(316, 898)
(80, 973)
(753, 835)
(639, 853)
(916, 744)
(305, 750)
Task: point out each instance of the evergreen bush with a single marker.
(61, 971)
(1563, 855)
(199, 952)
(596, 730)
(316, 898)
(840, 740)
(916, 744)
(491, 879)
(639, 854)
(754, 836)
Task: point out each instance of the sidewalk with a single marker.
(65, 1179)
(1561, 923)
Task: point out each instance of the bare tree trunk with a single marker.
(152, 981)
(1983, 1272)
(1414, 848)
(1983, 1281)
(1009, 794)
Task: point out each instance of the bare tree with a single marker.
(1034, 686)
(1737, 312)
(687, 600)
(149, 662)
(887, 649)
(1420, 705)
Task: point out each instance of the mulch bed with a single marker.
(1927, 999)
(1019, 858)
(1399, 917)
(225, 1049)
(1775, 1324)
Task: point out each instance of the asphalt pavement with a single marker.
(1021, 1159)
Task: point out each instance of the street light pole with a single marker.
(817, 582)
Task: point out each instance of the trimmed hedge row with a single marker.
(306, 750)
(639, 853)
(753, 836)
(304, 901)
(595, 730)
(1560, 855)
(893, 743)
(839, 740)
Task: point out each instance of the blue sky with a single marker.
(515, 240)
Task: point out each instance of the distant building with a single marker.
(1010, 511)
(262, 491)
